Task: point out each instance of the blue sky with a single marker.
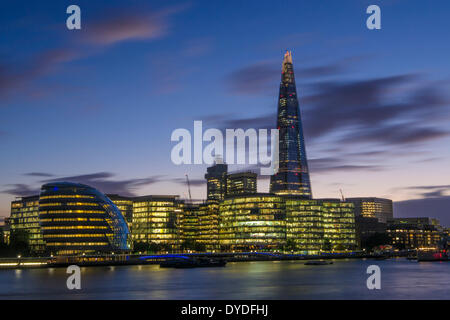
(98, 105)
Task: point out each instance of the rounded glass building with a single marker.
(78, 219)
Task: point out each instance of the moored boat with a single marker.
(432, 255)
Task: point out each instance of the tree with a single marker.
(199, 247)
(141, 247)
(327, 245)
(374, 240)
(155, 247)
(290, 245)
(339, 247)
(19, 242)
(188, 244)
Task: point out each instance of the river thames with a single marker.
(345, 279)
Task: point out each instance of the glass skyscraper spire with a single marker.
(293, 174)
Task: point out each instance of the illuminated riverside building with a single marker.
(156, 219)
(189, 221)
(338, 225)
(241, 183)
(304, 225)
(199, 224)
(292, 177)
(371, 207)
(77, 219)
(255, 222)
(413, 233)
(272, 222)
(208, 225)
(25, 217)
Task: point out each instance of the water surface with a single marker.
(345, 279)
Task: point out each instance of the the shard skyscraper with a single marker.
(293, 174)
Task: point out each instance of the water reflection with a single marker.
(401, 279)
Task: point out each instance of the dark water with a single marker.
(345, 279)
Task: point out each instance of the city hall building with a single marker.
(78, 219)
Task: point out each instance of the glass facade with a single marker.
(373, 208)
(252, 223)
(156, 219)
(339, 225)
(304, 225)
(208, 225)
(288, 223)
(78, 219)
(25, 217)
(125, 205)
(241, 183)
(216, 181)
(292, 177)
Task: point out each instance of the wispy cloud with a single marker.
(101, 180)
(38, 174)
(118, 26)
(263, 76)
(20, 190)
(125, 24)
(435, 207)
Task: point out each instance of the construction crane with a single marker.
(189, 188)
(342, 195)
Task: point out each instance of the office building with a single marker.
(208, 226)
(371, 207)
(241, 183)
(24, 221)
(413, 233)
(252, 222)
(216, 181)
(78, 219)
(292, 177)
(290, 223)
(156, 221)
(339, 225)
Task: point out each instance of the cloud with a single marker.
(192, 182)
(197, 47)
(106, 29)
(435, 207)
(263, 77)
(38, 174)
(430, 191)
(232, 121)
(18, 73)
(103, 182)
(332, 164)
(407, 133)
(125, 25)
(100, 180)
(396, 110)
(254, 79)
(21, 190)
